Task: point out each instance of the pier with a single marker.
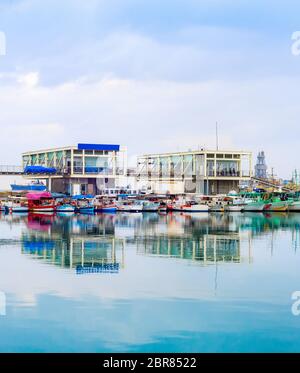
(11, 170)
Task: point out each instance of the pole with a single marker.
(217, 137)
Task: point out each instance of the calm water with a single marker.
(133, 282)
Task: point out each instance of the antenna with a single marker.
(217, 137)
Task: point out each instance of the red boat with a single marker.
(40, 202)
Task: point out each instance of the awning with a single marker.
(38, 196)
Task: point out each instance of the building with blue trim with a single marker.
(81, 169)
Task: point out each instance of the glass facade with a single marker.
(227, 168)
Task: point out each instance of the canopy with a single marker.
(38, 196)
(83, 196)
(39, 170)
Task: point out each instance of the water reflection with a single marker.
(99, 241)
(149, 282)
(84, 242)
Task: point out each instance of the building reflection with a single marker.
(98, 243)
(87, 244)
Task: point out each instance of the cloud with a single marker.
(154, 116)
(30, 80)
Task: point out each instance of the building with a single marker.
(86, 168)
(261, 167)
(201, 171)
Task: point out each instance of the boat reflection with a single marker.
(97, 243)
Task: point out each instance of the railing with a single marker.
(11, 170)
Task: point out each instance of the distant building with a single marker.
(201, 171)
(261, 167)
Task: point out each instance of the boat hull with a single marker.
(233, 208)
(260, 207)
(19, 209)
(65, 208)
(277, 207)
(43, 209)
(294, 207)
(106, 209)
(193, 208)
(86, 210)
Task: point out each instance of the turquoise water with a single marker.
(149, 283)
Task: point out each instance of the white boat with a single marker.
(129, 206)
(19, 209)
(17, 204)
(188, 207)
(149, 206)
(217, 206)
(234, 208)
(258, 206)
(294, 206)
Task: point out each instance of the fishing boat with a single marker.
(233, 208)
(277, 202)
(17, 205)
(256, 205)
(104, 204)
(88, 209)
(191, 207)
(40, 202)
(233, 204)
(35, 186)
(163, 208)
(129, 206)
(84, 204)
(149, 206)
(216, 208)
(294, 206)
(66, 207)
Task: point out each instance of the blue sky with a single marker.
(152, 75)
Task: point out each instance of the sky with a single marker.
(152, 75)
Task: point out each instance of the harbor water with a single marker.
(145, 282)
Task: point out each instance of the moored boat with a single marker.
(65, 208)
(149, 206)
(104, 204)
(129, 206)
(277, 206)
(40, 202)
(189, 207)
(216, 208)
(258, 206)
(294, 206)
(233, 208)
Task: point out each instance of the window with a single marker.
(220, 155)
(210, 168)
(227, 168)
(228, 156)
(210, 156)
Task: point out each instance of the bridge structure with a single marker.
(11, 170)
(270, 184)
